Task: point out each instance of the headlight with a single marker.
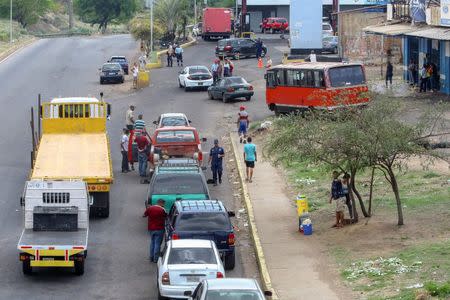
(102, 74)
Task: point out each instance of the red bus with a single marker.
(320, 85)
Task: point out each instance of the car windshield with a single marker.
(174, 136)
(326, 27)
(330, 39)
(111, 67)
(173, 121)
(233, 294)
(201, 221)
(236, 80)
(222, 43)
(182, 256)
(198, 70)
(346, 76)
(118, 59)
(178, 184)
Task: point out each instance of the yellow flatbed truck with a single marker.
(75, 145)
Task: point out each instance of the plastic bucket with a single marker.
(307, 229)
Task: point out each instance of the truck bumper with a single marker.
(52, 263)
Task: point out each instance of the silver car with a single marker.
(330, 44)
(229, 289)
(184, 264)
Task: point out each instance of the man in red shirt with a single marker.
(156, 215)
(143, 147)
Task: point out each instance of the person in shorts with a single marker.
(243, 122)
(250, 157)
(337, 194)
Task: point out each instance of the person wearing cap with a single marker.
(129, 119)
(242, 122)
(216, 155)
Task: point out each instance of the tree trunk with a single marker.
(398, 201)
(352, 198)
(371, 192)
(70, 11)
(358, 195)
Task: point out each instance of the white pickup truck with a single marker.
(56, 225)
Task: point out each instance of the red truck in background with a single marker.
(274, 24)
(216, 23)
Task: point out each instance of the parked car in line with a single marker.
(172, 119)
(273, 24)
(229, 289)
(327, 29)
(231, 88)
(195, 77)
(175, 180)
(122, 60)
(203, 219)
(184, 264)
(111, 72)
(238, 48)
(330, 44)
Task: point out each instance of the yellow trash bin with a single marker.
(143, 79)
(302, 205)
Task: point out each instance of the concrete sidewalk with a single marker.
(291, 259)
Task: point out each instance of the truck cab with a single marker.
(56, 225)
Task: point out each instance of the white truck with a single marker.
(56, 217)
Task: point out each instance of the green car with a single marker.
(177, 181)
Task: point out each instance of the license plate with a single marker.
(112, 73)
(200, 83)
(193, 278)
(47, 258)
(241, 89)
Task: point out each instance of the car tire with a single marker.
(224, 98)
(237, 55)
(26, 267)
(210, 96)
(79, 267)
(179, 83)
(230, 261)
(186, 89)
(122, 81)
(248, 98)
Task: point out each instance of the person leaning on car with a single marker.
(156, 218)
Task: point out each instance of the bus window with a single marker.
(270, 81)
(300, 78)
(319, 81)
(346, 76)
(280, 77)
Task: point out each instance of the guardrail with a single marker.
(62, 34)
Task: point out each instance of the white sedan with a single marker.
(195, 77)
(184, 264)
(172, 119)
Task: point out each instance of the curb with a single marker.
(10, 52)
(159, 64)
(265, 276)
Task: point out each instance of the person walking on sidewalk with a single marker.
(156, 218)
(389, 73)
(179, 54)
(124, 149)
(243, 122)
(337, 194)
(250, 157)
(129, 118)
(216, 155)
(143, 145)
(170, 53)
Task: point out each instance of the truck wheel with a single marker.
(105, 210)
(26, 267)
(79, 267)
(230, 261)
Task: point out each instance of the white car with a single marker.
(195, 77)
(227, 289)
(184, 264)
(172, 119)
(327, 30)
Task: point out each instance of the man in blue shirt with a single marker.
(216, 155)
(250, 157)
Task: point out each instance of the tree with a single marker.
(140, 29)
(352, 140)
(170, 13)
(103, 12)
(26, 12)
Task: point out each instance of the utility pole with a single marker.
(70, 11)
(195, 12)
(10, 22)
(151, 26)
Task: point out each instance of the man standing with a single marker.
(179, 55)
(140, 123)
(156, 216)
(216, 155)
(337, 194)
(170, 56)
(243, 122)
(124, 150)
(259, 48)
(129, 119)
(135, 75)
(389, 73)
(250, 157)
(214, 70)
(143, 151)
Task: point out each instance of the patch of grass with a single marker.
(438, 290)
(431, 175)
(405, 294)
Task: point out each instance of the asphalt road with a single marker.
(117, 265)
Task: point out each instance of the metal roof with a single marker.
(391, 29)
(313, 65)
(435, 33)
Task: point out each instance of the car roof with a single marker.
(175, 128)
(74, 100)
(118, 56)
(232, 284)
(191, 243)
(171, 115)
(200, 206)
(313, 65)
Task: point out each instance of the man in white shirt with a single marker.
(135, 75)
(313, 57)
(129, 118)
(124, 149)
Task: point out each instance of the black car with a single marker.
(230, 88)
(206, 220)
(238, 48)
(111, 72)
(122, 61)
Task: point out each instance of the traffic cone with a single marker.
(260, 63)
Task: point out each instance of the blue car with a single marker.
(203, 219)
(122, 60)
(111, 72)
